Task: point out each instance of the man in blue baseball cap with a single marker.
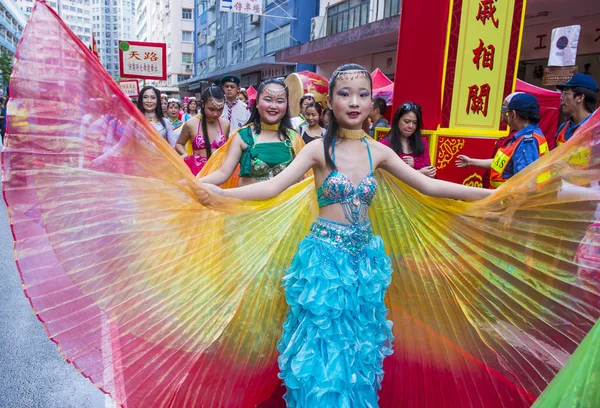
(525, 144)
(578, 99)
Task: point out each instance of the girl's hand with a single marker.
(462, 161)
(409, 160)
(184, 155)
(429, 171)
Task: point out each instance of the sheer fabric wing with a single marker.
(157, 299)
(489, 299)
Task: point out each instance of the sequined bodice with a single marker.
(337, 188)
(199, 144)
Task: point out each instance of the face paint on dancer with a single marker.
(350, 100)
(272, 104)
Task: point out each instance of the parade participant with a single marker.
(208, 131)
(164, 102)
(173, 109)
(161, 300)
(148, 103)
(406, 140)
(525, 146)
(348, 299)
(235, 110)
(578, 100)
(266, 145)
(243, 96)
(299, 121)
(325, 117)
(192, 109)
(378, 109)
(313, 128)
(501, 142)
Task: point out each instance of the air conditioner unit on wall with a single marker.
(188, 67)
(317, 28)
(255, 19)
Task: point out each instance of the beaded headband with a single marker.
(350, 74)
(215, 102)
(173, 100)
(275, 94)
(309, 95)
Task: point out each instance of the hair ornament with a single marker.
(273, 93)
(350, 74)
(218, 104)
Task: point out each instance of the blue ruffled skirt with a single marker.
(336, 334)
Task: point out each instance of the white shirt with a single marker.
(236, 113)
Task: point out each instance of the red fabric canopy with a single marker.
(379, 79)
(549, 108)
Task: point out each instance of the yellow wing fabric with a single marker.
(487, 298)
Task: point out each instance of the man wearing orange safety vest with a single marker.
(524, 146)
(578, 100)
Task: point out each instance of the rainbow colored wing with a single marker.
(491, 298)
(158, 300)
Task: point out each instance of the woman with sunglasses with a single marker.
(406, 140)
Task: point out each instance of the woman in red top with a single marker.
(405, 138)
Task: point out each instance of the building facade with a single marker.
(113, 20)
(76, 13)
(244, 44)
(170, 22)
(12, 23)
(359, 31)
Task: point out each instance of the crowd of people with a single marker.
(196, 129)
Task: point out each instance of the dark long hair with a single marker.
(414, 141)
(216, 93)
(285, 125)
(317, 106)
(333, 127)
(159, 112)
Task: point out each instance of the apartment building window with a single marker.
(187, 36)
(347, 15)
(187, 58)
(391, 8)
(182, 77)
(201, 38)
(186, 14)
(212, 64)
(252, 47)
(278, 39)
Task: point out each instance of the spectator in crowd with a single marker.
(236, 111)
(525, 146)
(578, 100)
(378, 109)
(406, 140)
(314, 127)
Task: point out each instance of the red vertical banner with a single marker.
(420, 57)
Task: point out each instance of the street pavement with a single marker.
(32, 371)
